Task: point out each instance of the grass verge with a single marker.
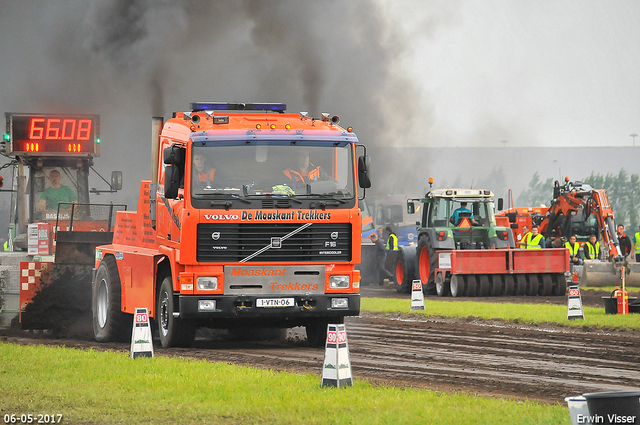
(513, 312)
(109, 388)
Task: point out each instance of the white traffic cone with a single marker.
(141, 340)
(574, 306)
(336, 369)
(417, 297)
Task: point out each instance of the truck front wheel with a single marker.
(317, 330)
(174, 332)
(109, 322)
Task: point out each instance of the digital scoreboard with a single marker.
(53, 134)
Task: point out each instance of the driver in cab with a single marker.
(463, 209)
(55, 193)
(304, 172)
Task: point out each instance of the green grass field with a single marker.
(91, 387)
(534, 314)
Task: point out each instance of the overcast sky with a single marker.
(401, 72)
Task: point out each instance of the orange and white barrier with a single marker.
(336, 368)
(417, 297)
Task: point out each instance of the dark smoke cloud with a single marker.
(130, 60)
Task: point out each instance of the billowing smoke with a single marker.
(130, 60)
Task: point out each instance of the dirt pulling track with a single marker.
(492, 358)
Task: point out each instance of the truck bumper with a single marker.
(305, 307)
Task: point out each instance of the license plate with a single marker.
(274, 302)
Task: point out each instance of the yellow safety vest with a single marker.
(532, 242)
(637, 243)
(594, 251)
(392, 242)
(572, 250)
(6, 245)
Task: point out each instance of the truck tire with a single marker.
(483, 287)
(110, 324)
(317, 331)
(533, 284)
(509, 285)
(174, 332)
(427, 260)
(457, 286)
(442, 286)
(547, 285)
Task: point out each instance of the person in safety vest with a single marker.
(574, 250)
(635, 246)
(203, 175)
(5, 246)
(521, 237)
(533, 240)
(593, 250)
(392, 239)
(381, 256)
(305, 171)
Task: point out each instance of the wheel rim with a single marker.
(439, 285)
(399, 273)
(102, 303)
(425, 267)
(453, 284)
(164, 314)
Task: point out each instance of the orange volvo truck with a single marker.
(251, 220)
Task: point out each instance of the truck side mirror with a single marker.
(363, 171)
(116, 180)
(171, 181)
(500, 204)
(411, 207)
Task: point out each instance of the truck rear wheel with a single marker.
(457, 286)
(109, 322)
(427, 263)
(559, 284)
(174, 332)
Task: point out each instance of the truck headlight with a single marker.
(207, 283)
(339, 282)
(339, 302)
(206, 305)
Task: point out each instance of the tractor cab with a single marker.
(462, 219)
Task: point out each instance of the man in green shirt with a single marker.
(56, 193)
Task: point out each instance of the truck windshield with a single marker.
(251, 169)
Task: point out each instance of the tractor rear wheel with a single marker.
(403, 274)
(427, 263)
(174, 331)
(457, 286)
(109, 322)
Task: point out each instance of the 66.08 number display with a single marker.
(52, 134)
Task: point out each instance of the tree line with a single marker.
(622, 189)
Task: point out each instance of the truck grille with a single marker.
(256, 242)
